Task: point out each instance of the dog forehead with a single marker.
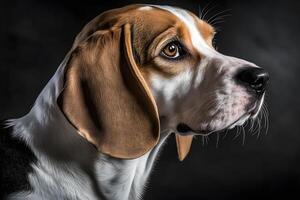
(152, 20)
(189, 28)
(144, 19)
(200, 32)
(148, 21)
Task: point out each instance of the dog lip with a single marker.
(187, 130)
(184, 128)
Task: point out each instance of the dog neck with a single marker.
(70, 167)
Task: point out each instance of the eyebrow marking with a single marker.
(145, 8)
(196, 36)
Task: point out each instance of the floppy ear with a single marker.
(106, 98)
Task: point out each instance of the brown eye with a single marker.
(172, 50)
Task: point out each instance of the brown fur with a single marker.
(106, 95)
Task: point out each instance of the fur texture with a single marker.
(68, 166)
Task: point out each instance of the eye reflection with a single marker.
(172, 50)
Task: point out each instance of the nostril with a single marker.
(253, 78)
(260, 82)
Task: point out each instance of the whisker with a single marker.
(202, 140)
(207, 139)
(218, 14)
(266, 117)
(226, 132)
(199, 11)
(203, 10)
(268, 121)
(244, 136)
(219, 17)
(259, 126)
(246, 123)
(216, 23)
(252, 121)
(256, 126)
(218, 138)
(237, 134)
(208, 10)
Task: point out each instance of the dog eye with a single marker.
(173, 50)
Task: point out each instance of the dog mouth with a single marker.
(183, 128)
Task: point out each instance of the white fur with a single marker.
(186, 95)
(145, 8)
(197, 39)
(69, 167)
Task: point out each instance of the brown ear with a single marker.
(183, 145)
(106, 98)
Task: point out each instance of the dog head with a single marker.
(131, 67)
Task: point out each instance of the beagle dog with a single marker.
(133, 76)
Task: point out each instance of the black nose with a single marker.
(253, 78)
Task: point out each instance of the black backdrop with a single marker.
(35, 35)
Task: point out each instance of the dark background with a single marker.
(35, 35)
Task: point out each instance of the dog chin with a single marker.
(215, 127)
(184, 129)
(252, 113)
